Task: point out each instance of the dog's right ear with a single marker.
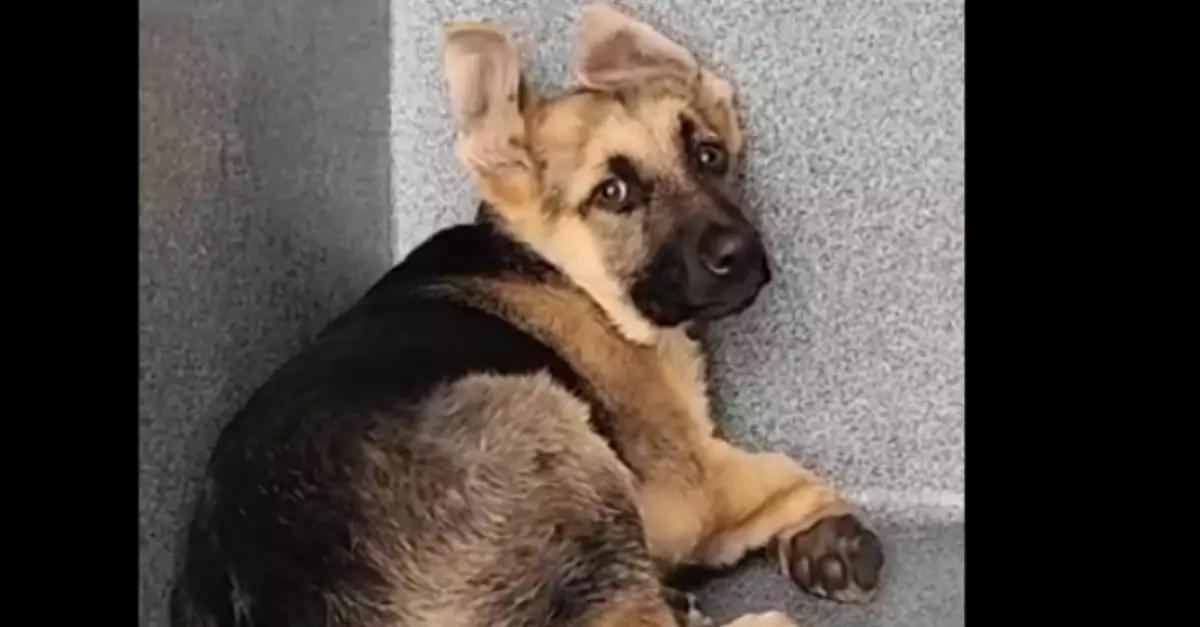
(483, 71)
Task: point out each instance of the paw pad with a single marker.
(837, 558)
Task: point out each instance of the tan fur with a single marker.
(636, 611)
(541, 164)
(515, 456)
(567, 242)
(502, 461)
(700, 498)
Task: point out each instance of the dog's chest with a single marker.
(658, 402)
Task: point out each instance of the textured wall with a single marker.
(854, 360)
(264, 202)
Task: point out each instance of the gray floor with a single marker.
(275, 137)
(924, 586)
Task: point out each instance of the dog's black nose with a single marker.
(723, 249)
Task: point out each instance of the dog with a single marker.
(511, 428)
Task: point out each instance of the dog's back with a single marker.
(422, 463)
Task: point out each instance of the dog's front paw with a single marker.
(838, 558)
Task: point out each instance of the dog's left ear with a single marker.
(487, 96)
(616, 52)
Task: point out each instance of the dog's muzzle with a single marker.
(729, 270)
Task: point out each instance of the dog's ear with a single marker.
(617, 51)
(487, 96)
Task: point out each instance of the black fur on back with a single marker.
(273, 527)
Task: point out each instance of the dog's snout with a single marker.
(724, 249)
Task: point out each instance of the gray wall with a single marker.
(264, 211)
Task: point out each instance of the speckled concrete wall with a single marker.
(264, 168)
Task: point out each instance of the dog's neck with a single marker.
(567, 245)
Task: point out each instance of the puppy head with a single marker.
(625, 182)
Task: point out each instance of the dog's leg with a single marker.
(760, 498)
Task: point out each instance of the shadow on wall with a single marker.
(263, 213)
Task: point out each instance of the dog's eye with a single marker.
(711, 157)
(613, 192)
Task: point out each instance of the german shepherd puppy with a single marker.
(511, 428)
